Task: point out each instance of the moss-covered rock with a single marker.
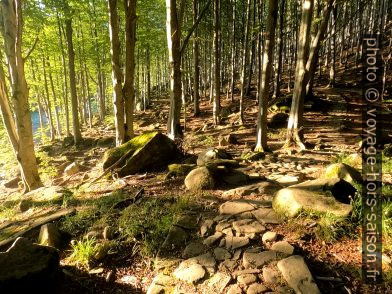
(318, 196)
(212, 154)
(111, 156)
(199, 179)
(180, 169)
(150, 151)
(343, 171)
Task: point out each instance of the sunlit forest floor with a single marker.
(332, 128)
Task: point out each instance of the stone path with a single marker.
(236, 251)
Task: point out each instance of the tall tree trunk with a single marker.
(6, 112)
(12, 29)
(332, 69)
(41, 119)
(280, 51)
(196, 74)
(98, 62)
(315, 47)
(251, 51)
(269, 43)
(40, 106)
(233, 51)
(217, 32)
(56, 111)
(245, 52)
(118, 97)
(72, 82)
(47, 102)
(129, 82)
(148, 77)
(173, 42)
(90, 112)
(65, 86)
(295, 124)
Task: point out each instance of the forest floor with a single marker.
(332, 129)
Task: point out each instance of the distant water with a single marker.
(36, 126)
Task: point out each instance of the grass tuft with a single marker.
(150, 222)
(83, 252)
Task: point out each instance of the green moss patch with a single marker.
(113, 155)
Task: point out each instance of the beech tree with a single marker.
(295, 124)
(173, 42)
(123, 96)
(19, 131)
(265, 76)
(72, 81)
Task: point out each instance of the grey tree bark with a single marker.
(245, 58)
(129, 82)
(269, 40)
(173, 42)
(24, 149)
(217, 49)
(295, 124)
(72, 82)
(117, 76)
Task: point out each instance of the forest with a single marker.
(196, 146)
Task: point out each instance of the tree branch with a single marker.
(186, 40)
(31, 49)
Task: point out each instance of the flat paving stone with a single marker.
(233, 242)
(190, 273)
(248, 226)
(221, 253)
(284, 247)
(212, 239)
(266, 216)
(256, 288)
(193, 249)
(258, 259)
(218, 282)
(297, 275)
(269, 237)
(234, 289)
(235, 207)
(246, 279)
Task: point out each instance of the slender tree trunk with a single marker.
(47, 102)
(56, 111)
(148, 77)
(251, 51)
(269, 40)
(6, 112)
(173, 42)
(65, 77)
(72, 82)
(118, 97)
(315, 47)
(41, 119)
(280, 50)
(217, 32)
(40, 106)
(233, 50)
(245, 53)
(129, 82)
(196, 74)
(12, 29)
(101, 87)
(295, 125)
(332, 69)
(90, 112)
